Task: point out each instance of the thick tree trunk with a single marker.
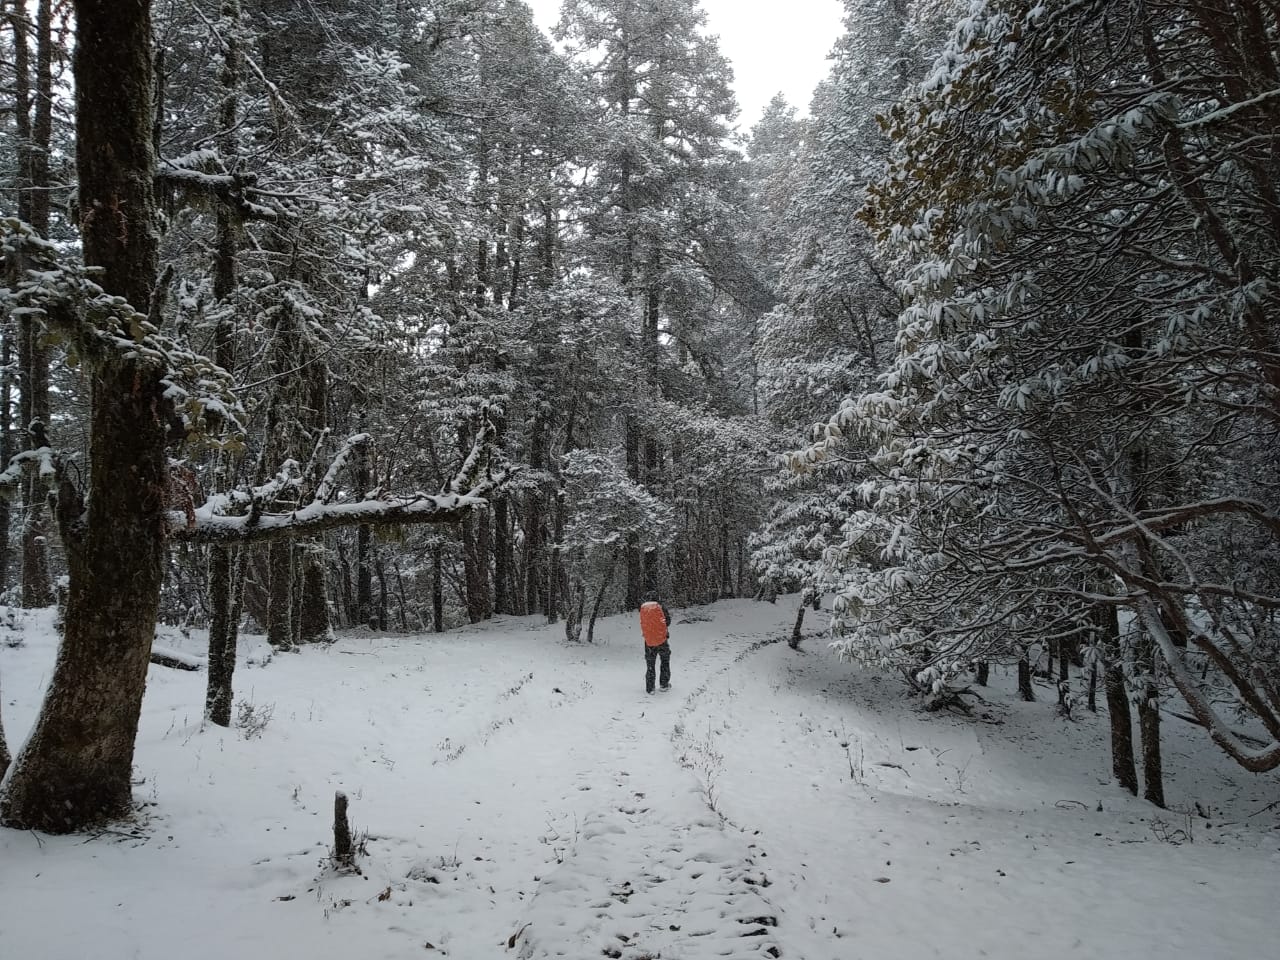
(280, 593)
(982, 673)
(76, 767)
(313, 613)
(222, 637)
(1149, 725)
(1121, 721)
(1024, 679)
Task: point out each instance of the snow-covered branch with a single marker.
(236, 190)
(100, 329)
(254, 514)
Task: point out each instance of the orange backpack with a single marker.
(653, 624)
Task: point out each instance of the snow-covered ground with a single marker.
(525, 798)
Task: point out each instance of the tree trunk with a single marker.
(471, 573)
(76, 767)
(344, 854)
(1123, 767)
(557, 588)
(6, 451)
(1093, 687)
(1024, 678)
(364, 575)
(4, 744)
(605, 583)
(404, 606)
(982, 674)
(635, 562)
(1149, 725)
(222, 637)
(437, 588)
(344, 585)
(313, 618)
(484, 551)
(501, 557)
(295, 592)
(799, 623)
(577, 601)
(381, 567)
(280, 593)
(33, 357)
(726, 580)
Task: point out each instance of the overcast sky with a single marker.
(775, 45)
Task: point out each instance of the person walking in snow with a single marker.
(655, 624)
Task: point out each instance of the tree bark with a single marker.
(1149, 725)
(313, 614)
(344, 854)
(471, 572)
(4, 744)
(280, 593)
(437, 588)
(1024, 679)
(222, 637)
(635, 558)
(76, 767)
(1122, 762)
(6, 450)
(605, 582)
(484, 551)
(502, 592)
(982, 674)
(796, 627)
(35, 133)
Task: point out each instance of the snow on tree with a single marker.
(1085, 388)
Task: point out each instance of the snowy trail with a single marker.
(656, 872)
(525, 798)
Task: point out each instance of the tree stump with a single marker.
(344, 854)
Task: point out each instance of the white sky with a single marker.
(774, 45)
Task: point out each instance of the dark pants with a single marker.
(651, 654)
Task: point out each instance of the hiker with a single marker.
(655, 623)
